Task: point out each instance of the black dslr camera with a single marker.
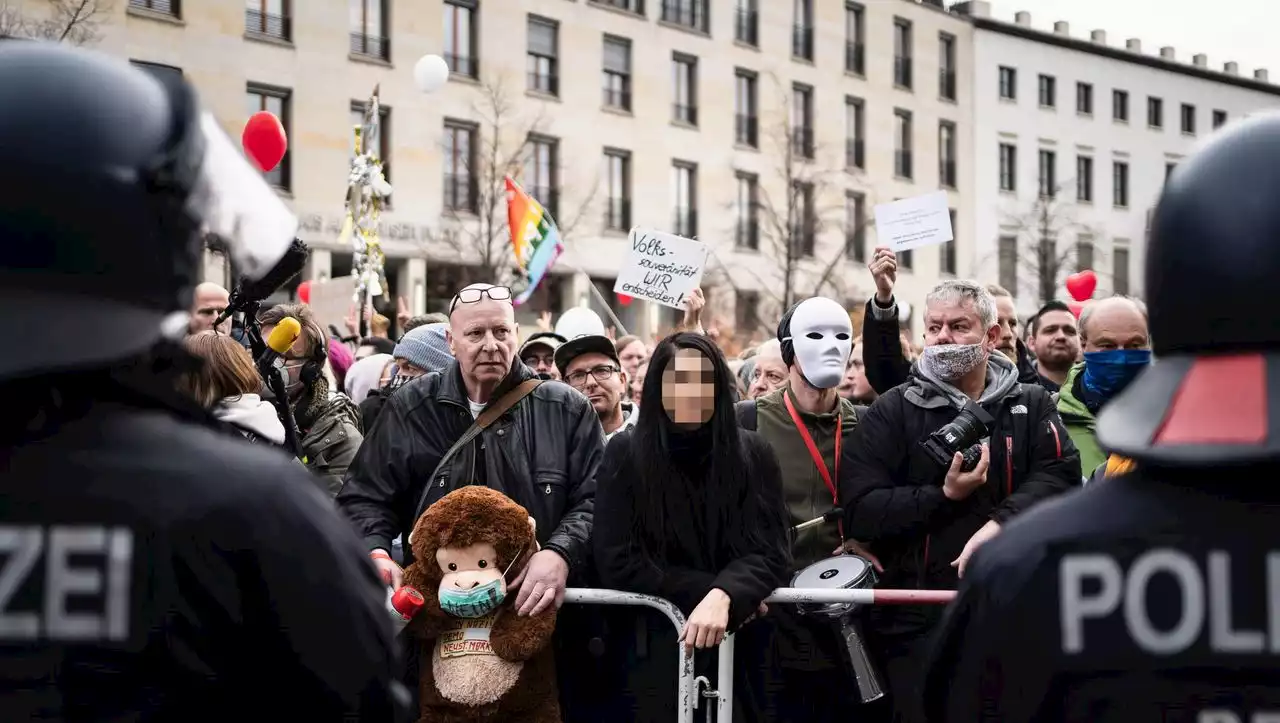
(962, 434)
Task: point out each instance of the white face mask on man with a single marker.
(822, 337)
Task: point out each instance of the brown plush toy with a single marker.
(479, 661)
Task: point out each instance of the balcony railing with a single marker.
(164, 7)
(685, 223)
(746, 130)
(802, 142)
(373, 46)
(902, 71)
(548, 83)
(746, 27)
(802, 42)
(947, 173)
(631, 6)
(685, 113)
(946, 84)
(266, 24)
(460, 192)
(620, 99)
(467, 66)
(855, 58)
(617, 214)
(688, 13)
(854, 154)
(747, 235)
(902, 164)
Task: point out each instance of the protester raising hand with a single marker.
(693, 306)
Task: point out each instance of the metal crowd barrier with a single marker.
(690, 691)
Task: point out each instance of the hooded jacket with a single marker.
(1080, 422)
(252, 415)
(330, 432)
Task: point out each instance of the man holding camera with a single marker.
(940, 463)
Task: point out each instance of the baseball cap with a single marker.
(585, 344)
(549, 339)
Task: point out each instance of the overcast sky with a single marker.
(1239, 30)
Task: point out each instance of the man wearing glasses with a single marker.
(590, 364)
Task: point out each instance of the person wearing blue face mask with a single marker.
(1117, 347)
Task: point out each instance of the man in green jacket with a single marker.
(1116, 344)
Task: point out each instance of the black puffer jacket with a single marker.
(543, 453)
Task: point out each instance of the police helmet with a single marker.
(111, 179)
(1212, 261)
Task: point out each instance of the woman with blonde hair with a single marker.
(227, 384)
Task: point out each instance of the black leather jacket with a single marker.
(543, 453)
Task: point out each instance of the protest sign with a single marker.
(914, 222)
(661, 267)
(331, 300)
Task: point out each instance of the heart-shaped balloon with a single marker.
(1082, 285)
(304, 292)
(264, 140)
(1076, 307)
(625, 300)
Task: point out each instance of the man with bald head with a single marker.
(209, 302)
(485, 419)
(1113, 334)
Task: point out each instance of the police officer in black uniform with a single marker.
(151, 566)
(1154, 595)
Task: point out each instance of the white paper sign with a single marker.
(661, 267)
(914, 222)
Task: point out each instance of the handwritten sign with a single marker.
(914, 222)
(470, 637)
(661, 267)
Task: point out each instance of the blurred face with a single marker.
(482, 337)
(769, 374)
(598, 377)
(406, 368)
(1057, 342)
(1008, 318)
(637, 382)
(1116, 326)
(854, 385)
(688, 390)
(542, 360)
(210, 301)
(632, 356)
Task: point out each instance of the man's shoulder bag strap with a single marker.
(490, 415)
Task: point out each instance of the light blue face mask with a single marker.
(478, 601)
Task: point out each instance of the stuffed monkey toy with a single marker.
(479, 661)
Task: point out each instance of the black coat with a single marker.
(543, 453)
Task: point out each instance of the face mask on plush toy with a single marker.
(471, 586)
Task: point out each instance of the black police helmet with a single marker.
(97, 248)
(1212, 261)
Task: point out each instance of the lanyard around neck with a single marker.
(818, 461)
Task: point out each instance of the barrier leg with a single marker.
(684, 685)
(724, 682)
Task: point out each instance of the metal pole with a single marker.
(724, 680)
(600, 298)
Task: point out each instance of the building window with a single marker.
(164, 73)
(946, 66)
(804, 233)
(947, 154)
(746, 209)
(543, 55)
(802, 30)
(1120, 184)
(617, 173)
(1084, 252)
(1219, 119)
(902, 53)
(855, 39)
(461, 37)
(460, 187)
(902, 143)
(684, 69)
(1120, 106)
(1008, 83)
(369, 35)
(1008, 167)
(689, 13)
(1084, 99)
(684, 199)
(383, 138)
(1120, 270)
(802, 120)
(1048, 91)
(1084, 179)
(1008, 263)
(906, 259)
(1048, 173)
(854, 133)
(947, 251)
(1188, 119)
(855, 222)
(745, 124)
(1168, 169)
(746, 23)
(746, 311)
(617, 73)
(631, 6)
(1155, 112)
(542, 171)
(277, 102)
(164, 7)
(267, 18)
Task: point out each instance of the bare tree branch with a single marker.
(1040, 228)
(76, 22)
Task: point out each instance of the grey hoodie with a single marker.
(928, 392)
(251, 412)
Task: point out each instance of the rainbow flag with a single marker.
(534, 238)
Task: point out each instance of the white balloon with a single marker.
(430, 73)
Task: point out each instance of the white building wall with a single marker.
(1032, 128)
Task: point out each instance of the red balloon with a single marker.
(264, 140)
(625, 300)
(1082, 285)
(1076, 307)
(304, 292)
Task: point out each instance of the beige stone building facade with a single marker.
(754, 125)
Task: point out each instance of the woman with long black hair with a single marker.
(688, 508)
